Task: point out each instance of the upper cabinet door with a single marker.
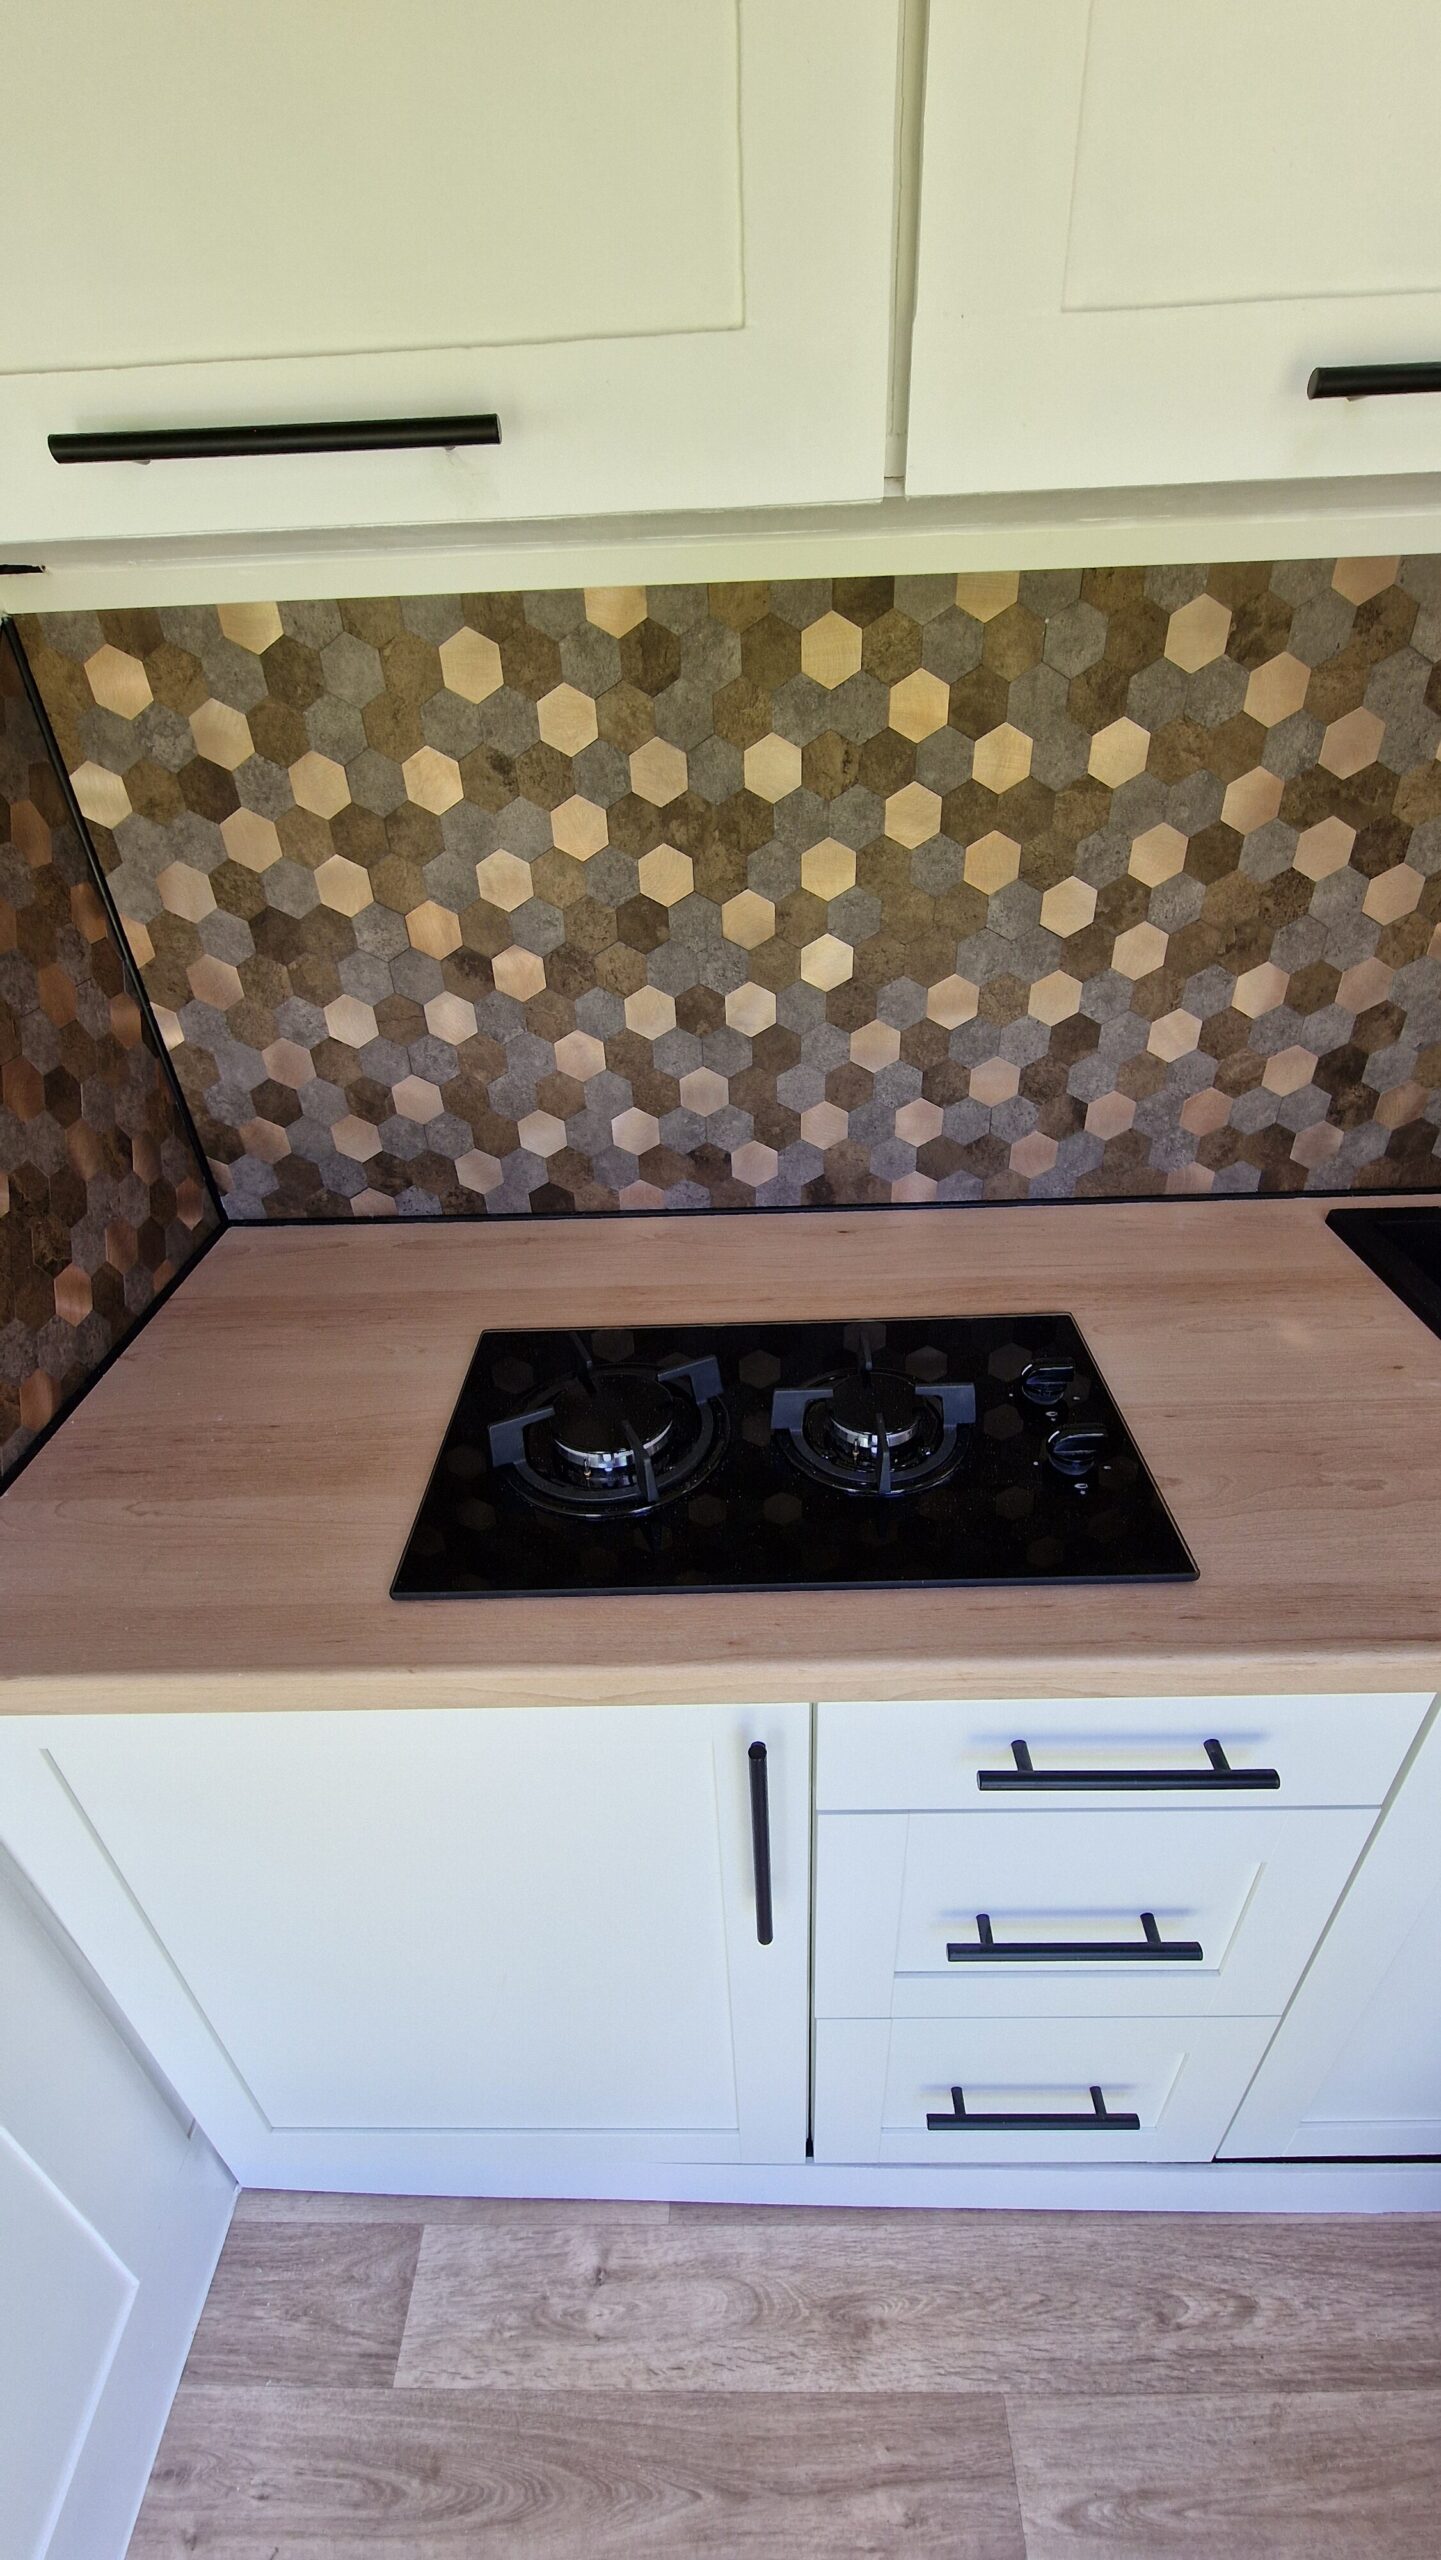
(656, 241)
(1143, 224)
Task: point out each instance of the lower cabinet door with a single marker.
(424, 1944)
(949, 2091)
(1142, 1914)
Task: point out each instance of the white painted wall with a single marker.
(112, 2212)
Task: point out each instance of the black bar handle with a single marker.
(761, 1841)
(1101, 2119)
(1150, 1948)
(211, 444)
(1219, 1778)
(1371, 381)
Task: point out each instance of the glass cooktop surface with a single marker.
(929, 1451)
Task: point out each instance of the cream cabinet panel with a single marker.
(873, 1756)
(1141, 227)
(896, 1892)
(64, 2300)
(655, 240)
(885, 2088)
(1355, 2070)
(498, 1936)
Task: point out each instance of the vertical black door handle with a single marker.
(761, 1841)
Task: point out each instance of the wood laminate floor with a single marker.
(399, 2379)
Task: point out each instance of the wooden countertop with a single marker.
(217, 1524)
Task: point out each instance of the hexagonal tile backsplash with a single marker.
(102, 1196)
(989, 887)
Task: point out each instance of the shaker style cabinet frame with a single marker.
(426, 1951)
(1355, 2069)
(655, 242)
(1142, 227)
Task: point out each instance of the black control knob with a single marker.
(1047, 1382)
(1076, 1454)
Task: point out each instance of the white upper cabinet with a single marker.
(655, 240)
(1142, 225)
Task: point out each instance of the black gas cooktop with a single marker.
(752, 1457)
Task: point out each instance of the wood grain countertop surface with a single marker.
(217, 1524)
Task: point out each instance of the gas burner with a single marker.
(872, 1430)
(604, 1425)
(615, 1440)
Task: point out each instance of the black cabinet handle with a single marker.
(1219, 1778)
(211, 444)
(761, 1840)
(1152, 1948)
(1102, 2119)
(1371, 381)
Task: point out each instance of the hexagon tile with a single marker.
(1066, 884)
(102, 1196)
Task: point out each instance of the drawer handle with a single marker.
(1101, 2119)
(215, 444)
(1150, 1949)
(761, 1840)
(1217, 1779)
(1370, 381)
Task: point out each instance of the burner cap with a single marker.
(599, 1426)
(872, 1407)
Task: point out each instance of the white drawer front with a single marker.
(879, 2079)
(1325, 1750)
(895, 1891)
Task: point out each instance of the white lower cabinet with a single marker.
(952, 2092)
(1065, 1930)
(532, 1949)
(426, 1946)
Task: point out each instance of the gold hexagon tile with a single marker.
(251, 626)
(615, 609)
(827, 962)
(1157, 854)
(222, 736)
(1119, 752)
(831, 650)
(1071, 904)
(1277, 689)
(748, 919)
(470, 665)
(992, 862)
(118, 681)
(567, 718)
(432, 781)
(1197, 633)
(504, 881)
(666, 874)
(1001, 759)
(828, 869)
(1351, 743)
(1359, 580)
(985, 593)
(318, 783)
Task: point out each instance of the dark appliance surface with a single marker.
(1403, 1248)
(945, 1450)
